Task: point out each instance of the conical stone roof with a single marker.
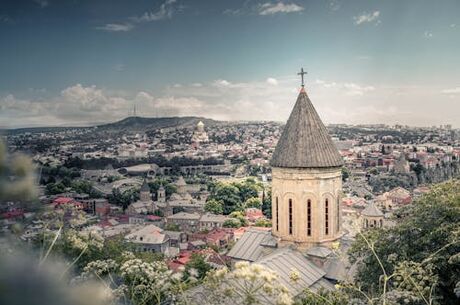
(372, 210)
(305, 142)
(145, 187)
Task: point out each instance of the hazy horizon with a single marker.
(94, 124)
(368, 62)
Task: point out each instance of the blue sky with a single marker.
(77, 62)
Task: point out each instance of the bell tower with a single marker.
(306, 180)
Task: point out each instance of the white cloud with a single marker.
(116, 27)
(222, 83)
(166, 11)
(336, 102)
(350, 89)
(42, 3)
(367, 18)
(269, 8)
(334, 5)
(119, 67)
(451, 91)
(428, 34)
(453, 25)
(357, 90)
(272, 81)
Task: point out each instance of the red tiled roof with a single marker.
(13, 214)
(153, 217)
(62, 200)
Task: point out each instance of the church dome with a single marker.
(305, 142)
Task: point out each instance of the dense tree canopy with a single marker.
(426, 241)
(214, 206)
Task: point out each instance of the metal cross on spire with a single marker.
(302, 73)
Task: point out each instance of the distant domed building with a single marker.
(145, 204)
(372, 217)
(307, 180)
(200, 135)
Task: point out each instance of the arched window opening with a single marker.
(290, 216)
(337, 225)
(308, 217)
(277, 214)
(326, 217)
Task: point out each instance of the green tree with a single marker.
(345, 173)
(267, 204)
(214, 206)
(196, 267)
(172, 227)
(247, 189)
(55, 188)
(253, 202)
(124, 199)
(262, 222)
(229, 195)
(84, 187)
(427, 236)
(232, 223)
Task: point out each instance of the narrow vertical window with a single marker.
(326, 217)
(309, 217)
(290, 216)
(337, 227)
(277, 214)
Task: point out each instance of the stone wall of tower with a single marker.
(145, 196)
(301, 185)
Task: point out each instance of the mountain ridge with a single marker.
(132, 123)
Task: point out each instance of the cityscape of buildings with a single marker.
(245, 152)
(283, 196)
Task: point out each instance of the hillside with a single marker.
(130, 124)
(142, 123)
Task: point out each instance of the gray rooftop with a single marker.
(335, 269)
(372, 210)
(208, 217)
(321, 252)
(305, 142)
(286, 260)
(253, 245)
(185, 216)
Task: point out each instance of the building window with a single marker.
(326, 217)
(308, 217)
(337, 227)
(277, 213)
(290, 216)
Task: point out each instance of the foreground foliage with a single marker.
(419, 258)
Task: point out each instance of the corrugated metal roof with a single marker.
(252, 245)
(305, 142)
(284, 261)
(335, 269)
(319, 252)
